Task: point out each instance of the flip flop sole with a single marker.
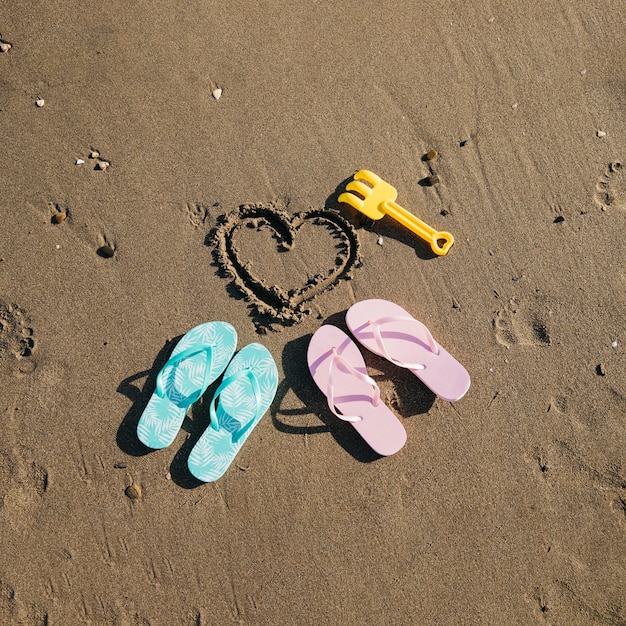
(215, 450)
(353, 396)
(407, 341)
(162, 418)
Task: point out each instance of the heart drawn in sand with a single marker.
(256, 246)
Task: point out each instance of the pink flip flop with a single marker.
(389, 331)
(338, 369)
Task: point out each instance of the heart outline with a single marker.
(273, 302)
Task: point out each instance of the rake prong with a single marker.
(354, 201)
(359, 187)
(370, 177)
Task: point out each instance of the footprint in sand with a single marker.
(197, 214)
(16, 337)
(560, 402)
(563, 459)
(608, 480)
(611, 187)
(523, 323)
(8, 606)
(23, 486)
(567, 463)
(14, 611)
(20, 481)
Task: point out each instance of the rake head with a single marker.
(373, 195)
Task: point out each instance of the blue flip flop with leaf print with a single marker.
(198, 359)
(244, 395)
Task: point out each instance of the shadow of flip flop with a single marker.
(126, 438)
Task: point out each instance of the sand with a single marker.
(507, 507)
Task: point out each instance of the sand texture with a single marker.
(136, 204)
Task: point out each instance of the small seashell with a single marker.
(102, 165)
(59, 217)
(431, 155)
(614, 344)
(4, 46)
(600, 369)
(217, 93)
(514, 105)
(40, 102)
(106, 251)
(94, 154)
(379, 241)
(79, 161)
(583, 72)
(601, 133)
(133, 491)
(491, 20)
(168, 476)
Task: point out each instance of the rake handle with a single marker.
(421, 229)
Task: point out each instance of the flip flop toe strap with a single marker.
(179, 358)
(245, 374)
(336, 361)
(378, 336)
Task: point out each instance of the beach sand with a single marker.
(507, 507)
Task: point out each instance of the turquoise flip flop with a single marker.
(246, 392)
(197, 360)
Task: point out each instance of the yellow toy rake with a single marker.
(379, 200)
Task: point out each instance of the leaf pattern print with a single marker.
(163, 416)
(236, 410)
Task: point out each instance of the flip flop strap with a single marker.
(178, 358)
(376, 326)
(335, 361)
(246, 373)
